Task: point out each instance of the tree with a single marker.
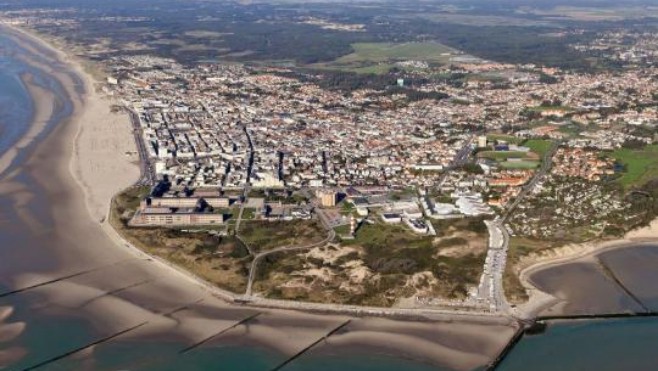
(547, 79)
(633, 144)
(472, 168)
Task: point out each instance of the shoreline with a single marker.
(540, 300)
(115, 236)
(86, 243)
(91, 104)
(44, 104)
(103, 209)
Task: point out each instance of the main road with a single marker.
(148, 176)
(547, 163)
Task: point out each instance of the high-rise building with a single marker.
(482, 141)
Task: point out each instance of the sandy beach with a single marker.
(105, 158)
(90, 157)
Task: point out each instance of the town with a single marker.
(524, 147)
(264, 185)
(429, 183)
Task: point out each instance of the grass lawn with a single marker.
(342, 230)
(572, 129)
(538, 146)
(502, 155)
(248, 213)
(347, 208)
(377, 69)
(520, 164)
(641, 165)
(383, 236)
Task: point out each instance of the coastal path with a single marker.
(258, 257)
(147, 175)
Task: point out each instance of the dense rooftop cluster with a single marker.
(569, 209)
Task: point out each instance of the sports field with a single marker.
(502, 155)
(538, 146)
(519, 164)
(505, 138)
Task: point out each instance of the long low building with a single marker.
(187, 202)
(178, 211)
(166, 217)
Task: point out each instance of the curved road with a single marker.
(261, 255)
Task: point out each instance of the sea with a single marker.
(48, 339)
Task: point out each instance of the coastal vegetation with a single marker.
(381, 265)
(267, 235)
(520, 247)
(221, 260)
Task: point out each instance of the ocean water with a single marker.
(627, 344)
(619, 345)
(16, 105)
(28, 243)
(48, 337)
(610, 344)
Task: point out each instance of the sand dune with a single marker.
(79, 180)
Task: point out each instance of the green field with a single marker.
(641, 165)
(538, 146)
(342, 230)
(502, 155)
(506, 138)
(520, 165)
(383, 52)
(248, 213)
(380, 57)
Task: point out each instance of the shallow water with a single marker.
(624, 344)
(43, 238)
(584, 289)
(637, 270)
(612, 344)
